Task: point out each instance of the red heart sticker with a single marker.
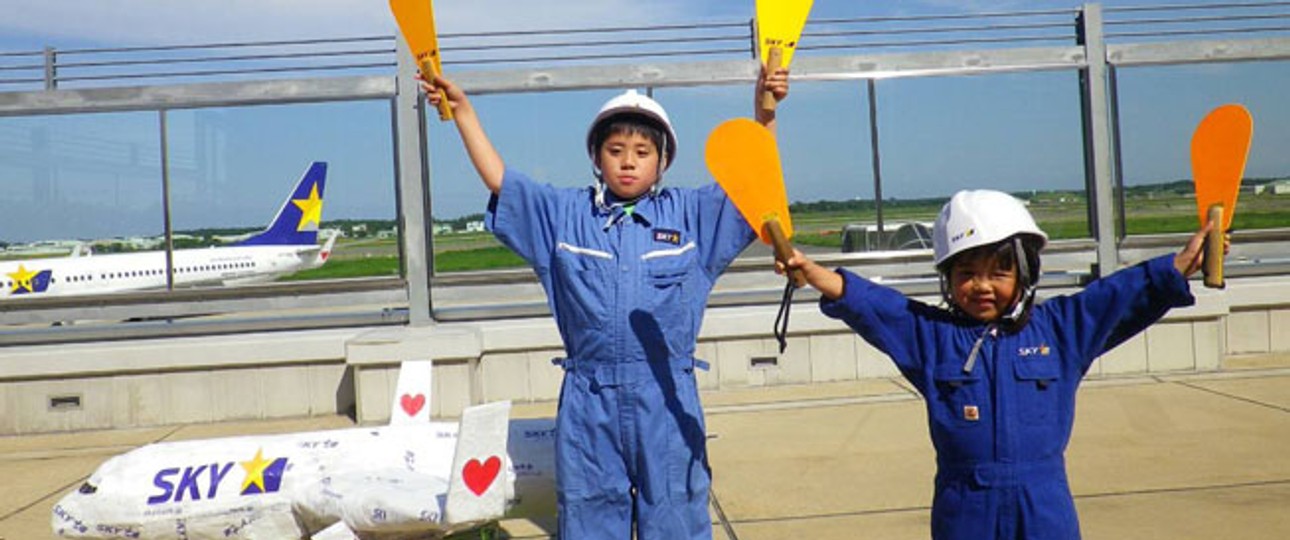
(479, 476)
(412, 404)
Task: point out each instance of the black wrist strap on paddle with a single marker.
(781, 319)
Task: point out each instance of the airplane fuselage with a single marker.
(288, 244)
(287, 486)
(109, 273)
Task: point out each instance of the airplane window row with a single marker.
(142, 273)
(180, 270)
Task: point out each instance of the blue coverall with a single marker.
(1000, 430)
(628, 291)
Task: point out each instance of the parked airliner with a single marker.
(289, 244)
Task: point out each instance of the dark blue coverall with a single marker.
(1000, 429)
(628, 290)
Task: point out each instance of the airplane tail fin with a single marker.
(481, 483)
(412, 392)
(297, 221)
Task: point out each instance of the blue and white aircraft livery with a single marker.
(289, 244)
(411, 479)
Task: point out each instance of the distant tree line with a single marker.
(861, 205)
(1187, 187)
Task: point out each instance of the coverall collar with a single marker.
(643, 210)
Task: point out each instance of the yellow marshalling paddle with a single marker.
(779, 26)
(416, 22)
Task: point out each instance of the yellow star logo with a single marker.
(255, 470)
(22, 279)
(310, 209)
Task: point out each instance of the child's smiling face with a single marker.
(981, 287)
(629, 164)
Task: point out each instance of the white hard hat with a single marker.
(975, 218)
(630, 102)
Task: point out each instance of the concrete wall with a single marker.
(285, 374)
(173, 381)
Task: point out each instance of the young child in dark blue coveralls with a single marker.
(627, 266)
(998, 375)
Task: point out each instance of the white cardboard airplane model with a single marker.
(289, 244)
(411, 479)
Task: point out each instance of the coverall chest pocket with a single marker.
(1037, 389)
(668, 278)
(668, 289)
(961, 398)
(582, 279)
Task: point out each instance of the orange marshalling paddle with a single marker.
(416, 21)
(743, 157)
(1219, 148)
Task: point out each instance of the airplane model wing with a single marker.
(398, 501)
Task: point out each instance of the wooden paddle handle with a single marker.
(783, 250)
(1213, 269)
(445, 110)
(774, 59)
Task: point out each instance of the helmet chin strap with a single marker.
(602, 200)
(606, 200)
(1017, 314)
(604, 194)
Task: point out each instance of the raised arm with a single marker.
(828, 282)
(488, 163)
(775, 82)
(1144, 310)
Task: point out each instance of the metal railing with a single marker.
(175, 64)
(54, 68)
(55, 81)
(1257, 19)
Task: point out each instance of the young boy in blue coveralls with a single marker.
(627, 266)
(999, 374)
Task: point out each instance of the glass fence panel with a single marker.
(1156, 130)
(77, 188)
(303, 192)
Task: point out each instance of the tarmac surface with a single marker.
(1190, 455)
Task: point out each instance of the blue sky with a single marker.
(231, 167)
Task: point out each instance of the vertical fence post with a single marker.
(167, 227)
(412, 167)
(1121, 223)
(51, 68)
(873, 152)
(1098, 162)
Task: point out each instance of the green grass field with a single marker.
(367, 259)
(1061, 215)
(1061, 219)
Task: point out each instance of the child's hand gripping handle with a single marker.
(1213, 268)
(445, 110)
(774, 61)
(783, 250)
